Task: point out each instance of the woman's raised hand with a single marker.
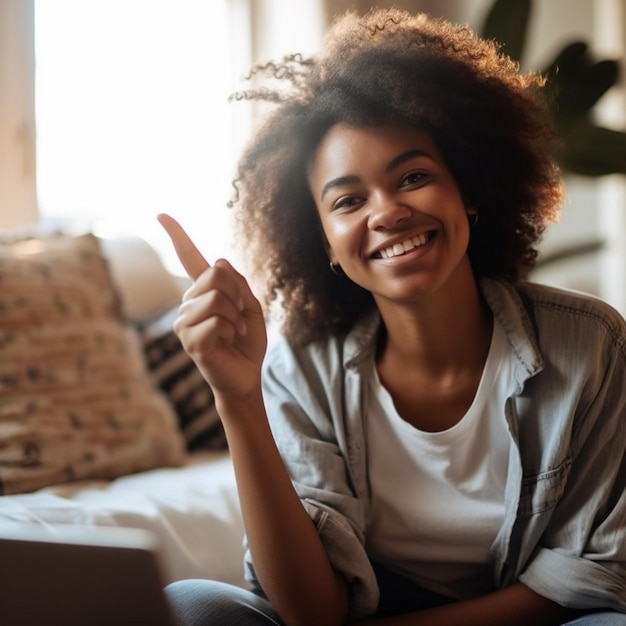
(220, 322)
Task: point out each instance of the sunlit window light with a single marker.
(133, 117)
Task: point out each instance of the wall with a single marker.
(596, 207)
(18, 200)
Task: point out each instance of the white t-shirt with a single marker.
(438, 497)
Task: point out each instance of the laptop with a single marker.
(69, 575)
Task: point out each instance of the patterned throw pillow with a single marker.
(76, 400)
(177, 375)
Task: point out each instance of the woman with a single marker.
(430, 440)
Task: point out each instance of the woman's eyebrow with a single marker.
(406, 156)
(351, 179)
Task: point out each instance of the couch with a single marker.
(104, 420)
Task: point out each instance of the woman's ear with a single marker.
(472, 215)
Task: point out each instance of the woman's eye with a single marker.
(413, 178)
(346, 202)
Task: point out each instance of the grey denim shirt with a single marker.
(564, 528)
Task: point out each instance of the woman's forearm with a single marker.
(289, 558)
(516, 605)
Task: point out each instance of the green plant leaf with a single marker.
(507, 23)
(576, 82)
(591, 150)
(568, 253)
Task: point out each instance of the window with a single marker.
(133, 119)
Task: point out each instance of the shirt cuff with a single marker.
(575, 582)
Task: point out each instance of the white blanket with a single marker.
(193, 511)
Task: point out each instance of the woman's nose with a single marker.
(386, 212)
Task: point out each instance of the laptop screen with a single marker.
(70, 575)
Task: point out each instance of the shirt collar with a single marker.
(509, 310)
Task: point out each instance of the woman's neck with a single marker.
(432, 355)
(444, 334)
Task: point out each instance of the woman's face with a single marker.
(391, 211)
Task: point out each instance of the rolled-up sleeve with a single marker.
(302, 398)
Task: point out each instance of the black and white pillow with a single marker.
(178, 377)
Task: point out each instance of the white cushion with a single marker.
(145, 286)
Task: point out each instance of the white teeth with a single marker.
(406, 246)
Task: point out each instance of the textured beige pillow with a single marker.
(75, 397)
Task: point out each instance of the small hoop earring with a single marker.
(335, 269)
(473, 220)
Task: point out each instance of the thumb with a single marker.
(191, 258)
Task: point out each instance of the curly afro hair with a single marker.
(489, 120)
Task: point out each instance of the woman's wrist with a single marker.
(241, 408)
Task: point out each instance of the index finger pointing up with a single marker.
(191, 258)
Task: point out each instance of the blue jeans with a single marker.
(207, 602)
(211, 603)
(604, 618)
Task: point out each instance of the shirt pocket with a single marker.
(542, 491)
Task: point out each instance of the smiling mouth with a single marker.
(403, 247)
